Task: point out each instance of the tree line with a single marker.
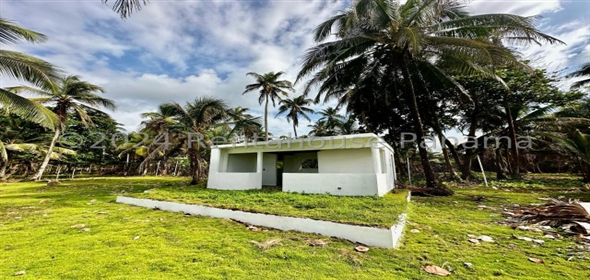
(425, 66)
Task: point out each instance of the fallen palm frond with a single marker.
(555, 213)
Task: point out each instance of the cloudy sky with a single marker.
(178, 50)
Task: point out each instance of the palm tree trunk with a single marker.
(499, 166)
(295, 129)
(466, 173)
(453, 151)
(266, 120)
(441, 138)
(194, 165)
(513, 144)
(39, 173)
(431, 182)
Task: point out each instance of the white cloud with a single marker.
(518, 7)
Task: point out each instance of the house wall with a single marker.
(234, 181)
(350, 184)
(220, 179)
(347, 170)
(385, 178)
(346, 161)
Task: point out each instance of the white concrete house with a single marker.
(352, 165)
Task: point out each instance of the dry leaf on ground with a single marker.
(436, 270)
(361, 249)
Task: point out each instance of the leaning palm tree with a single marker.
(270, 89)
(65, 95)
(19, 66)
(295, 108)
(407, 42)
(582, 72)
(196, 118)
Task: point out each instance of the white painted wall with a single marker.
(346, 161)
(234, 181)
(331, 183)
(337, 168)
(378, 237)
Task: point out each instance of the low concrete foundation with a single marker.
(371, 236)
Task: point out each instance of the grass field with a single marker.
(125, 242)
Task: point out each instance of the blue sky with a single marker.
(178, 50)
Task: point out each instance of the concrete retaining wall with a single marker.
(378, 237)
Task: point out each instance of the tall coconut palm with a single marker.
(582, 72)
(295, 108)
(271, 88)
(19, 66)
(420, 38)
(65, 95)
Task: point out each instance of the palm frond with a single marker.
(127, 7)
(11, 33)
(26, 68)
(28, 110)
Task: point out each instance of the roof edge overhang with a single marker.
(370, 139)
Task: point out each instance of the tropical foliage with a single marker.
(19, 66)
(404, 48)
(380, 66)
(65, 94)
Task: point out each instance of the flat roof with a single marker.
(352, 141)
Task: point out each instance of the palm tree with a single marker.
(420, 38)
(320, 128)
(296, 108)
(349, 126)
(158, 121)
(66, 94)
(579, 145)
(332, 118)
(22, 67)
(198, 117)
(582, 72)
(245, 126)
(270, 89)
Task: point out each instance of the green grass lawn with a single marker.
(126, 242)
(368, 211)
